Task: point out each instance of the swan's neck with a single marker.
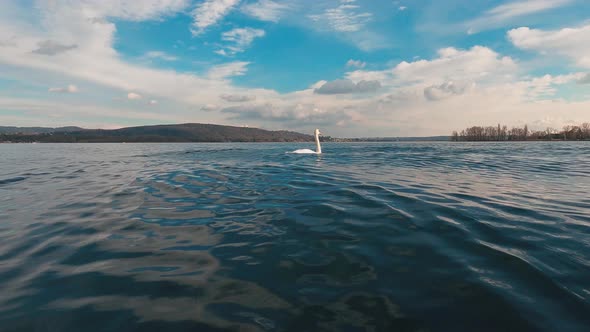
(317, 143)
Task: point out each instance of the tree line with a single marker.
(503, 133)
(189, 132)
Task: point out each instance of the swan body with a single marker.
(318, 150)
(304, 151)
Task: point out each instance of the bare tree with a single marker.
(566, 132)
(502, 133)
(586, 130)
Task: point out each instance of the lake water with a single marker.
(244, 237)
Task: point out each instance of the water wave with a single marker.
(243, 237)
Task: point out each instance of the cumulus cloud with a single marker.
(92, 27)
(295, 115)
(61, 110)
(499, 88)
(221, 52)
(237, 98)
(266, 10)
(344, 86)
(368, 86)
(10, 42)
(68, 89)
(96, 60)
(209, 108)
(239, 39)
(230, 69)
(545, 86)
(584, 79)
(573, 43)
(134, 96)
(209, 12)
(445, 90)
(356, 63)
(160, 55)
(476, 64)
(50, 47)
(369, 75)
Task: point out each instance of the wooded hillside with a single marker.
(189, 132)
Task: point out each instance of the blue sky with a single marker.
(350, 67)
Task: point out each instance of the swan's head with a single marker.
(317, 132)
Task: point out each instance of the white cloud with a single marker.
(356, 63)
(266, 10)
(134, 96)
(153, 102)
(446, 90)
(418, 97)
(296, 115)
(501, 14)
(348, 21)
(37, 110)
(317, 85)
(346, 17)
(209, 12)
(69, 24)
(221, 52)
(402, 8)
(573, 43)
(160, 55)
(239, 39)
(345, 86)
(523, 7)
(223, 71)
(9, 42)
(68, 89)
(210, 108)
(476, 64)
(544, 87)
(130, 9)
(50, 47)
(368, 75)
(237, 98)
(459, 88)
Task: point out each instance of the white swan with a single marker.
(317, 134)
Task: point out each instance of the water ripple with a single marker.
(243, 237)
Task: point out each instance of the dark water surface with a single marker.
(244, 237)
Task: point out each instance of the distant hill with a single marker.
(189, 132)
(36, 130)
(396, 139)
